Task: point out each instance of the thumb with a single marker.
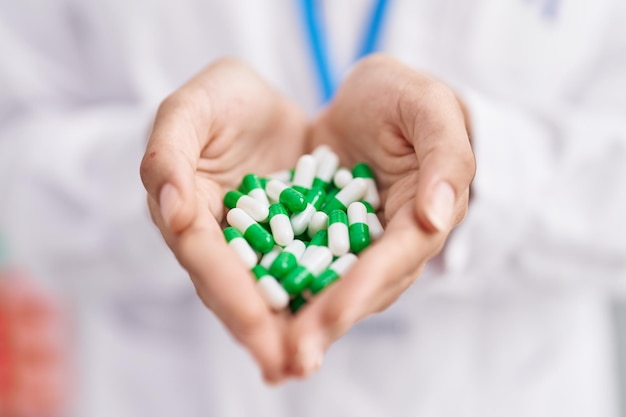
(169, 164)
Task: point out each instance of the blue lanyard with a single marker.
(317, 41)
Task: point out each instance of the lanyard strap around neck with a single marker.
(313, 22)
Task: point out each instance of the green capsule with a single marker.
(251, 182)
(358, 228)
(297, 280)
(316, 197)
(293, 200)
(362, 170)
(231, 233)
(287, 260)
(231, 198)
(259, 238)
(320, 239)
(259, 272)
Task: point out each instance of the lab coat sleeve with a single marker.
(550, 188)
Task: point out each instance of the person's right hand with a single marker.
(207, 135)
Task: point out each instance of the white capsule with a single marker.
(297, 248)
(269, 257)
(239, 219)
(273, 293)
(319, 152)
(357, 213)
(376, 229)
(281, 228)
(326, 166)
(343, 263)
(338, 239)
(300, 221)
(282, 176)
(318, 222)
(259, 195)
(304, 174)
(371, 195)
(352, 192)
(342, 177)
(245, 252)
(255, 208)
(273, 188)
(316, 259)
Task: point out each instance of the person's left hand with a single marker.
(412, 130)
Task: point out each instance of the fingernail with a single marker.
(441, 207)
(168, 202)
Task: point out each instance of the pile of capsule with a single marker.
(299, 230)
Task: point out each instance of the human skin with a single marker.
(227, 121)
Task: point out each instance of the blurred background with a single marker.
(523, 314)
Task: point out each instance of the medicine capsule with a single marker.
(352, 192)
(327, 163)
(318, 222)
(300, 221)
(273, 293)
(358, 229)
(287, 259)
(290, 198)
(269, 257)
(315, 260)
(362, 170)
(338, 235)
(253, 232)
(240, 246)
(333, 273)
(280, 224)
(342, 177)
(376, 229)
(255, 209)
(304, 173)
(252, 186)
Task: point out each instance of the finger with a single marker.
(436, 126)
(228, 289)
(380, 275)
(169, 164)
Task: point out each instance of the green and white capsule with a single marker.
(290, 198)
(255, 208)
(269, 257)
(318, 222)
(327, 163)
(333, 273)
(338, 235)
(254, 233)
(376, 228)
(273, 293)
(313, 262)
(287, 259)
(352, 192)
(358, 228)
(240, 246)
(252, 186)
(304, 173)
(342, 177)
(280, 224)
(300, 221)
(362, 170)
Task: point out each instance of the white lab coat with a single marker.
(513, 319)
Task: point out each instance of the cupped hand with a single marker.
(412, 131)
(207, 135)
